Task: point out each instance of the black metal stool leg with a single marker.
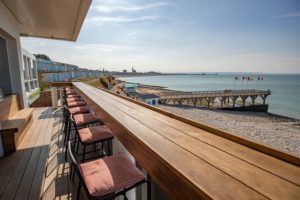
(83, 155)
(78, 192)
(148, 190)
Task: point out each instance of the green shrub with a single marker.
(103, 81)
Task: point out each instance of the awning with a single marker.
(55, 19)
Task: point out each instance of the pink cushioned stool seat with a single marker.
(110, 174)
(94, 134)
(71, 92)
(71, 99)
(79, 110)
(73, 95)
(83, 119)
(76, 104)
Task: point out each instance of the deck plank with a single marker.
(16, 178)
(30, 173)
(9, 163)
(38, 180)
(56, 183)
(22, 173)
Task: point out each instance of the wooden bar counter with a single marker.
(193, 163)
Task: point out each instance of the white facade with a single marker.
(130, 87)
(150, 99)
(11, 64)
(30, 77)
(152, 102)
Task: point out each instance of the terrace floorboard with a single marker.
(37, 170)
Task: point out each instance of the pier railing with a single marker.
(216, 93)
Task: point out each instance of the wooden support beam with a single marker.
(195, 101)
(234, 98)
(244, 98)
(253, 98)
(264, 98)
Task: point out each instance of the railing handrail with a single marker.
(216, 93)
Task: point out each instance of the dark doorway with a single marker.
(5, 83)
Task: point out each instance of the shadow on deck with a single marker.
(37, 170)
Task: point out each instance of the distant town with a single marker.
(50, 70)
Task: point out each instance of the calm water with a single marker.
(284, 100)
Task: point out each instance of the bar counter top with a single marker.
(188, 162)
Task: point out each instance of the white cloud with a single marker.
(289, 15)
(100, 20)
(108, 8)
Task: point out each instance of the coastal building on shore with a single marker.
(56, 71)
(130, 87)
(150, 99)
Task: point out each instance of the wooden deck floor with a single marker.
(37, 169)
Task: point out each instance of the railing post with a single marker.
(54, 98)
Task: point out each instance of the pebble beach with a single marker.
(275, 131)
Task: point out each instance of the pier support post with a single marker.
(180, 101)
(233, 98)
(253, 97)
(244, 98)
(222, 101)
(209, 100)
(264, 98)
(200, 101)
(213, 100)
(195, 101)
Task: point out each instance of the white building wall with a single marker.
(150, 101)
(9, 30)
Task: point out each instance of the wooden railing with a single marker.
(190, 160)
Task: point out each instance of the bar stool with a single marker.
(93, 136)
(72, 97)
(106, 178)
(74, 105)
(80, 121)
(72, 111)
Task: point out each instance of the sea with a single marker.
(285, 88)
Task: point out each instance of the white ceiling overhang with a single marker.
(55, 19)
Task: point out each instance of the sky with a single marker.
(183, 36)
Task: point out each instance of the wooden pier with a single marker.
(227, 98)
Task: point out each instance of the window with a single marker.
(25, 71)
(1, 93)
(34, 71)
(29, 68)
(27, 87)
(32, 85)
